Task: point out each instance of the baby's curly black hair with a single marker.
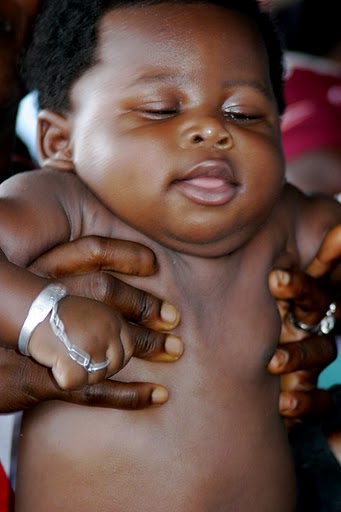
(64, 41)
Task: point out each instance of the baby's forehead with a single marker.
(165, 25)
(193, 47)
(71, 38)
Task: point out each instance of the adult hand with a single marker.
(24, 383)
(83, 266)
(328, 259)
(301, 362)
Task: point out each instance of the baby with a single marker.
(159, 124)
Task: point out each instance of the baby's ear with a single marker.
(53, 141)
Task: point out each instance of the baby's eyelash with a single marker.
(163, 111)
(159, 113)
(241, 116)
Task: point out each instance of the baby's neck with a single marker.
(192, 272)
(186, 278)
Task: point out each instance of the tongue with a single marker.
(206, 182)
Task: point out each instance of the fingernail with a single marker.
(169, 314)
(283, 277)
(174, 346)
(287, 402)
(280, 358)
(159, 396)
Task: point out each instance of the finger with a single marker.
(135, 305)
(309, 353)
(69, 375)
(119, 395)
(298, 404)
(334, 441)
(156, 346)
(329, 253)
(91, 254)
(24, 383)
(134, 341)
(153, 346)
(311, 298)
(94, 253)
(301, 380)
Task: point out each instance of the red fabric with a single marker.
(6, 494)
(313, 116)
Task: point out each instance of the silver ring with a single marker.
(77, 354)
(325, 326)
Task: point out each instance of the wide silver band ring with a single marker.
(325, 326)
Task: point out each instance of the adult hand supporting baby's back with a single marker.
(83, 265)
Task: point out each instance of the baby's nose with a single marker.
(208, 132)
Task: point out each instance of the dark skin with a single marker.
(306, 294)
(299, 386)
(36, 383)
(84, 278)
(300, 361)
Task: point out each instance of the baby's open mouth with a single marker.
(210, 183)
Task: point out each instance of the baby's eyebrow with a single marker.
(251, 84)
(170, 77)
(156, 77)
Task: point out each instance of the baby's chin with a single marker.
(204, 238)
(201, 246)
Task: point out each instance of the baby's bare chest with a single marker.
(200, 452)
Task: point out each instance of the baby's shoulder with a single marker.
(308, 218)
(59, 194)
(40, 184)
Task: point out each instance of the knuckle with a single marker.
(296, 357)
(131, 400)
(301, 353)
(119, 359)
(146, 308)
(144, 260)
(146, 343)
(92, 394)
(102, 286)
(94, 247)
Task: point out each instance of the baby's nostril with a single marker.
(197, 139)
(222, 143)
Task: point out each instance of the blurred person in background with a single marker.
(16, 18)
(311, 125)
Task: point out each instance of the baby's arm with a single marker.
(32, 221)
(317, 215)
(95, 335)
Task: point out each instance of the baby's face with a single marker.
(175, 128)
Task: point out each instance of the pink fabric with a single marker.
(313, 116)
